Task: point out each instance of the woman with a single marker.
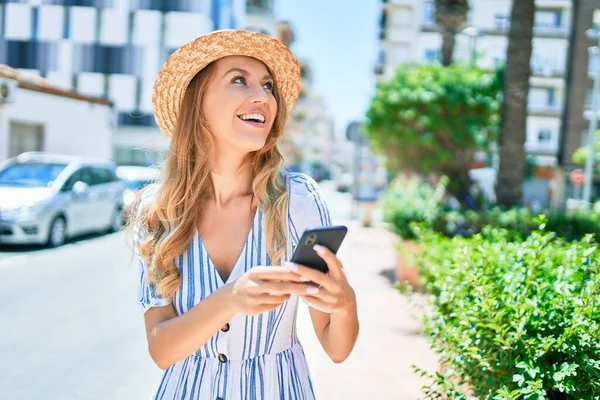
(219, 305)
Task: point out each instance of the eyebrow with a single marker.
(244, 72)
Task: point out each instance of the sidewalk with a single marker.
(389, 341)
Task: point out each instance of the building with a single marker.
(87, 132)
(308, 142)
(578, 97)
(409, 34)
(112, 49)
(260, 17)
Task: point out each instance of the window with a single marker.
(102, 175)
(548, 18)
(429, 12)
(30, 55)
(73, 179)
(544, 136)
(31, 174)
(259, 6)
(541, 96)
(108, 59)
(136, 119)
(501, 21)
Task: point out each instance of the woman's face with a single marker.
(239, 105)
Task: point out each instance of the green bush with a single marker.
(410, 200)
(515, 320)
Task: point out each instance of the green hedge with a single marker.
(414, 201)
(516, 320)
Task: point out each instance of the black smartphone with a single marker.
(328, 236)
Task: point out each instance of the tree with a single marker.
(431, 118)
(513, 125)
(450, 16)
(581, 154)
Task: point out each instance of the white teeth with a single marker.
(258, 117)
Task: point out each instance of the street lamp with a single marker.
(473, 33)
(594, 70)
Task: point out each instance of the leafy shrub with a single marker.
(515, 320)
(410, 200)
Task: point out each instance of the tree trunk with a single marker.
(448, 41)
(513, 132)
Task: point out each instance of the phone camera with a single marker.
(310, 241)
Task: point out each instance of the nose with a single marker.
(259, 95)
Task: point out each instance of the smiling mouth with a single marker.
(252, 121)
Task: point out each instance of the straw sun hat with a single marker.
(179, 69)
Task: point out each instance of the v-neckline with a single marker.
(239, 258)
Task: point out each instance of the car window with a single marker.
(31, 174)
(87, 176)
(76, 176)
(102, 175)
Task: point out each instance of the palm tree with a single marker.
(450, 16)
(511, 173)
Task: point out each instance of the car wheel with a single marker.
(117, 220)
(57, 236)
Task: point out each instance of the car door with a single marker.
(104, 189)
(77, 204)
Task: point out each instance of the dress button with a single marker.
(225, 328)
(222, 358)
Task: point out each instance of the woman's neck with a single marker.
(231, 177)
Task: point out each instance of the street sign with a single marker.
(354, 132)
(577, 177)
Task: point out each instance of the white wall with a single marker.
(70, 126)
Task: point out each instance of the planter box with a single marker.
(406, 271)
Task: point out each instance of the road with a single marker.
(71, 328)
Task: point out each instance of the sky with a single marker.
(339, 39)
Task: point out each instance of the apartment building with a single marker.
(112, 49)
(409, 34)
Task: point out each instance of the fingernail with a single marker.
(319, 249)
(312, 290)
(291, 266)
(304, 279)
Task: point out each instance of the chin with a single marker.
(250, 143)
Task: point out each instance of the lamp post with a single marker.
(473, 33)
(594, 70)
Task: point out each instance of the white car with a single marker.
(136, 178)
(47, 198)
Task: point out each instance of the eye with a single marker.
(239, 79)
(268, 85)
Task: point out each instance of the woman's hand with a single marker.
(333, 293)
(263, 289)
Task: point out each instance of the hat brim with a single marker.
(181, 66)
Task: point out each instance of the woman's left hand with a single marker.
(332, 292)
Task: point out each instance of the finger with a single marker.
(281, 288)
(273, 274)
(313, 275)
(323, 295)
(317, 304)
(333, 263)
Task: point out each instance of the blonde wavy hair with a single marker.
(168, 222)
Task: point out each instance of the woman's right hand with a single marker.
(263, 289)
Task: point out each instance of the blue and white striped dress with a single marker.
(253, 357)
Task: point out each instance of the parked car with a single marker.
(136, 178)
(47, 198)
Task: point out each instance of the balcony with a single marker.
(544, 110)
(547, 68)
(29, 54)
(166, 5)
(107, 59)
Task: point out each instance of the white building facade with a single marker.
(409, 34)
(112, 49)
(32, 118)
